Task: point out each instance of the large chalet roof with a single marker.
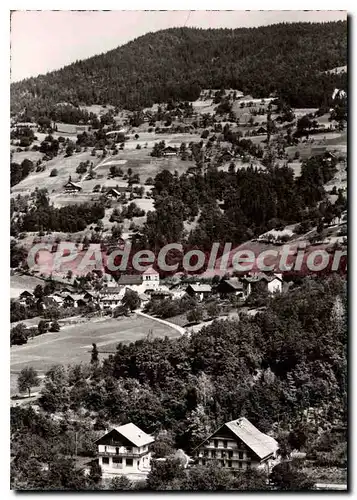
(234, 283)
(261, 444)
(72, 184)
(133, 434)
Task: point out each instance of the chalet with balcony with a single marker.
(238, 445)
(124, 450)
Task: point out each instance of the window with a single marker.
(129, 449)
(240, 465)
(229, 463)
(240, 455)
(213, 454)
(225, 443)
(203, 462)
(216, 443)
(117, 451)
(129, 462)
(230, 454)
(249, 465)
(105, 460)
(105, 448)
(205, 453)
(117, 460)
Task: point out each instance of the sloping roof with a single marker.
(130, 279)
(150, 270)
(143, 297)
(134, 434)
(72, 184)
(261, 444)
(74, 296)
(197, 287)
(234, 283)
(118, 190)
(257, 441)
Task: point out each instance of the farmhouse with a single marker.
(51, 301)
(26, 297)
(72, 187)
(117, 192)
(232, 286)
(110, 299)
(148, 280)
(238, 445)
(170, 151)
(273, 282)
(124, 450)
(74, 300)
(199, 291)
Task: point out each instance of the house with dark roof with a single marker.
(71, 187)
(124, 450)
(170, 151)
(26, 298)
(238, 445)
(231, 286)
(199, 291)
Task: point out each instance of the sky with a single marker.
(42, 41)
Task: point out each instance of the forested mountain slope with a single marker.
(289, 59)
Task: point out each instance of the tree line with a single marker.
(287, 59)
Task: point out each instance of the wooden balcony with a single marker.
(125, 454)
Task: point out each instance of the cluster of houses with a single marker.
(113, 193)
(147, 286)
(237, 445)
(240, 287)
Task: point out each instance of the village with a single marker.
(178, 264)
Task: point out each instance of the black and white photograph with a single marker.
(178, 251)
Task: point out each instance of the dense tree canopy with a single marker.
(179, 62)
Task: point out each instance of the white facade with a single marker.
(275, 285)
(124, 460)
(125, 450)
(151, 279)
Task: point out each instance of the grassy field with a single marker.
(73, 344)
(19, 283)
(140, 161)
(64, 166)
